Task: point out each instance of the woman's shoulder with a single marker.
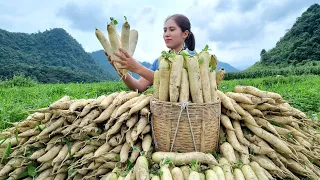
(154, 66)
(191, 52)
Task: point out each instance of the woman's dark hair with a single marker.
(184, 23)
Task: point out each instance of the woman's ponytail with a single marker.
(190, 42)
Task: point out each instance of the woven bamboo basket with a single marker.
(174, 131)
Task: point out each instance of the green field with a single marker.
(18, 97)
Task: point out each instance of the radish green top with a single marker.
(155, 65)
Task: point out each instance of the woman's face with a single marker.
(173, 35)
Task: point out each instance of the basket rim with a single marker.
(153, 99)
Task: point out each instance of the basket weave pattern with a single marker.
(205, 124)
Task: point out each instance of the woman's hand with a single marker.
(126, 61)
(112, 64)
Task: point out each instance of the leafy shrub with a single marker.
(18, 81)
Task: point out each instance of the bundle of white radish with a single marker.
(183, 77)
(127, 40)
(81, 138)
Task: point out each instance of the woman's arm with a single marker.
(145, 73)
(141, 85)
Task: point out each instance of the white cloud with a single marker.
(239, 29)
(235, 30)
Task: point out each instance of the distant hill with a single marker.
(227, 67)
(48, 57)
(103, 60)
(299, 46)
(296, 53)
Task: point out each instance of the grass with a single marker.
(19, 98)
(262, 70)
(17, 102)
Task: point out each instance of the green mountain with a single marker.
(296, 53)
(48, 57)
(227, 67)
(103, 60)
(299, 46)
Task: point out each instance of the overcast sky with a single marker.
(235, 30)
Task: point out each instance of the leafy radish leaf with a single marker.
(113, 21)
(69, 145)
(206, 48)
(31, 170)
(7, 152)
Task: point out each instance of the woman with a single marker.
(177, 36)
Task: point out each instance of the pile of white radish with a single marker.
(75, 139)
(183, 77)
(127, 40)
(261, 137)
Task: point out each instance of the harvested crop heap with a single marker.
(110, 137)
(261, 136)
(263, 133)
(77, 138)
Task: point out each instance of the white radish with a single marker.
(104, 41)
(58, 123)
(226, 122)
(62, 154)
(226, 167)
(211, 175)
(50, 154)
(258, 170)
(164, 79)
(227, 151)
(143, 103)
(194, 79)
(204, 73)
(238, 175)
(219, 171)
(166, 174)
(44, 174)
(213, 86)
(184, 158)
(37, 154)
(105, 148)
(177, 174)
(133, 40)
(146, 143)
(248, 172)
(156, 84)
(194, 175)
(108, 100)
(125, 33)
(175, 78)
(142, 168)
(184, 88)
(124, 153)
(185, 171)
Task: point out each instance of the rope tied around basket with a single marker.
(183, 106)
